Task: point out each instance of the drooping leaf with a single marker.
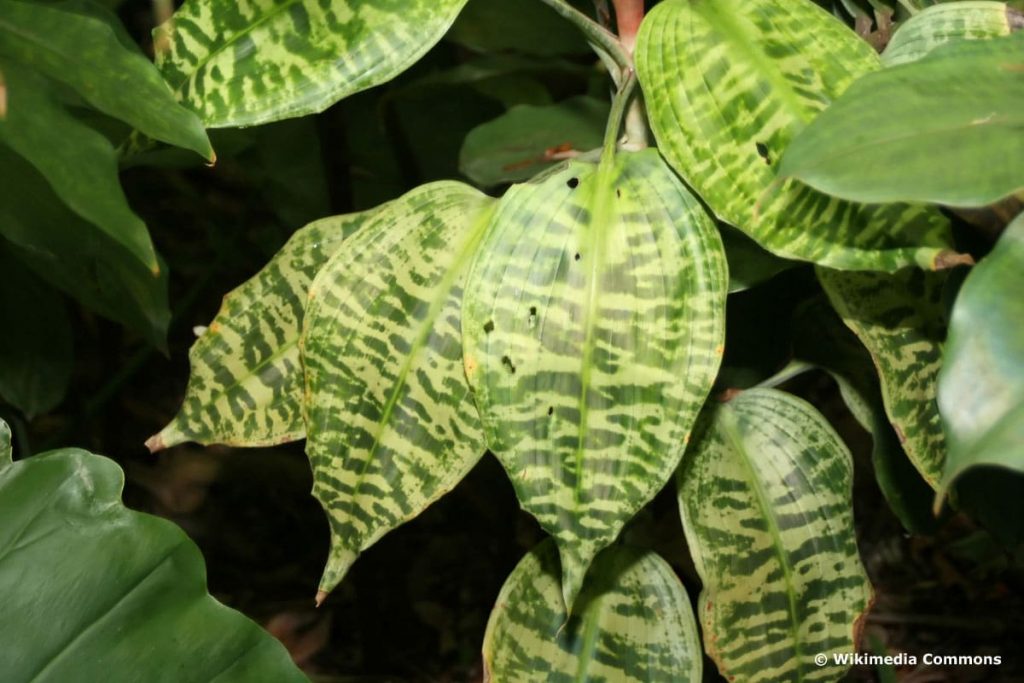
(84, 52)
(901, 320)
(527, 139)
(634, 623)
(951, 131)
(947, 22)
(728, 85)
(391, 423)
(821, 338)
(765, 494)
(246, 63)
(75, 256)
(79, 163)
(246, 384)
(523, 27)
(94, 586)
(593, 332)
(36, 351)
(981, 386)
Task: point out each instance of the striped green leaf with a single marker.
(593, 333)
(950, 131)
(981, 387)
(634, 623)
(255, 61)
(728, 84)
(79, 163)
(765, 494)
(246, 383)
(392, 426)
(93, 591)
(74, 44)
(901, 320)
(946, 22)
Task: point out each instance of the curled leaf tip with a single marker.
(945, 260)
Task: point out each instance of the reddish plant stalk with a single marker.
(628, 15)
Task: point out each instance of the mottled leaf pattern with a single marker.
(940, 24)
(728, 84)
(593, 332)
(981, 386)
(246, 384)
(765, 494)
(633, 624)
(391, 423)
(245, 62)
(900, 318)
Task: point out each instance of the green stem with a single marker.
(787, 373)
(619, 104)
(603, 40)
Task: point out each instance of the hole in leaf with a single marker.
(489, 327)
(577, 256)
(618, 193)
(507, 362)
(573, 183)
(762, 150)
(551, 410)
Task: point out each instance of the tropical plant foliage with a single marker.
(573, 323)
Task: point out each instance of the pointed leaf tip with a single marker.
(947, 259)
(155, 443)
(320, 597)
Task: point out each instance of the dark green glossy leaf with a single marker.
(633, 623)
(951, 130)
(728, 84)
(517, 145)
(981, 387)
(749, 264)
(524, 27)
(102, 593)
(85, 53)
(252, 62)
(765, 493)
(593, 332)
(36, 352)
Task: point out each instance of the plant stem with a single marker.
(628, 15)
(599, 37)
(619, 103)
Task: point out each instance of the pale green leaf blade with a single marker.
(78, 162)
(952, 130)
(593, 333)
(391, 422)
(95, 586)
(36, 352)
(85, 53)
(634, 623)
(946, 22)
(901, 320)
(528, 139)
(246, 383)
(728, 85)
(766, 494)
(256, 61)
(981, 386)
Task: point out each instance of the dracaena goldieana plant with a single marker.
(574, 326)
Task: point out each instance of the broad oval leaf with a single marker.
(901, 320)
(246, 63)
(946, 22)
(593, 332)
(392, 426)
(246, 383)
(74, 45)
(766, 495)
(633, 624)
(981, 386)
(951, 132)
(95, 586)
(79, 163)
(728, 85)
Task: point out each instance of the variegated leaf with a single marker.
(246, 62)
(728, 84)
(634, 623)
(391, 423)
(593, 332)
(981, 387)
(246, 384)
(940, 24)
(766, 494)
(901, 319)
